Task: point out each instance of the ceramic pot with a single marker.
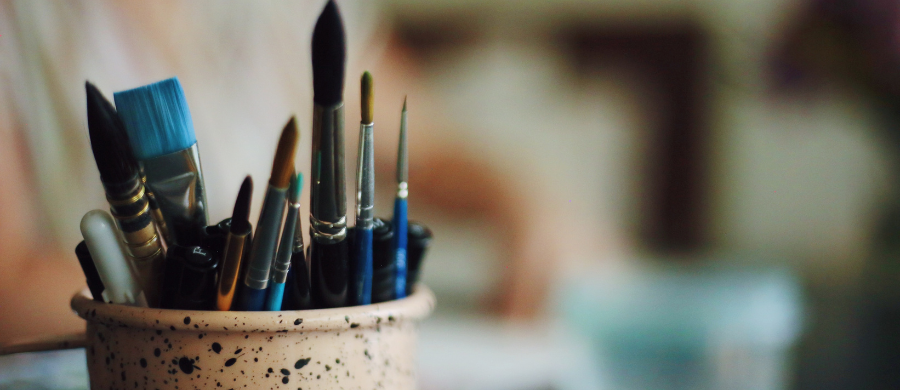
(361, 347)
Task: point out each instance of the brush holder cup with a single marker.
(360, 347)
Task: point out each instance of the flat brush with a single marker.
(161, 132)
(262, 250)
(125, 191)
(282, 263)
(237, 245)
(361, 262)
(399, 220)
(328, 212)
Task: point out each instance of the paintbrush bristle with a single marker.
(157, 118)
(329, 57)
(402, 152)
(283, 167)
(109, 142)
(367, 97)
(240, 217)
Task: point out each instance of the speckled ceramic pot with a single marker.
(362, 347)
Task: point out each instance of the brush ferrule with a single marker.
(262, 250)
(365, 178)
(282, 262)
(328, 189)
(328, 232)
(176, 181)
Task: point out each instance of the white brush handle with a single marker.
(120, 284)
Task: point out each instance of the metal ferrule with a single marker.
(176, 181)
(328, 208)
(365, 178)
(262, 250)
(230, 269)
(155, 213)
(130, 207)
(283, 260)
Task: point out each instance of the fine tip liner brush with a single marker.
(237, 244)
(329, 257)
(252, 296)
(161, 132)
(399, 220)
(282, 262)
(361, 262)
(125, 191)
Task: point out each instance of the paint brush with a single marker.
(125, 191)
(161, 132)
(296, 290)
(328, 258)
(361, 261)
(262, 251)
(237, 244)
(399, 221)
(119, 282)
(282, 262)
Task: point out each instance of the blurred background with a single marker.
(641, 194)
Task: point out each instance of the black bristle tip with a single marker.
(109, 142)
(240, 218)
(329, 56)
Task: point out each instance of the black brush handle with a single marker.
(330, 273)
(383, 270)
(296, 290)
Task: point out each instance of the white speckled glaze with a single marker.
(361, 347)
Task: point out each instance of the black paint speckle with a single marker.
(298, 321)
(186, 365)
(230, 362)
(238, 351)
(285, 380)
(354, 325)
(172, 327)
(217, 347)
(302, 362)
(271, 370)
(187, 320)
(143, 363)
(285, 371)
(159, 333)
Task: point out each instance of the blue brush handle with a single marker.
(274, 296)
(362, 277)
(399, 223)
(250, 299)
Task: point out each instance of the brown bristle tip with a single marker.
(283, 166)
(368, 98)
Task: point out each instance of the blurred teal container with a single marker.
(690, 326)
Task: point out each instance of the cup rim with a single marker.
(414, 307)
